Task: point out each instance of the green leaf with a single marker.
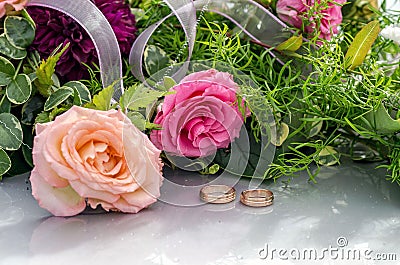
(127, 97)
(5, 162)
(254, 161)
(102, 101)
(5, 105)
(20, 89)
(10, 51)
(361, 45)
(137, 97)
(10, 132)
(19, 31)
(42, 117)
(291, 45)
(380, 121)
(45, 72)
(31, 109)
(27, 145)
(26, 15)
(328, 156)
(211, 170)
(280, 134)
(32, 76)
(169, 82)
(137, 119)
(7, 71)
(155, 59)
(58, 97)
(81, 92)
(18, 165)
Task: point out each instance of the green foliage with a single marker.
(380, 121)
(102, 101)
(5, 163)
(7, 71)
(19, 89)
(57, 97)
(139, 102)
(169, 82)
(7, 49)
(155, 59)
(81, 92)
(393, 166)
(10, 132)
(291, 45)
(45, 72)
(332, 99)
(16, 88)
(139, 97)
(361, 45)
(30, 92)
(19, 31)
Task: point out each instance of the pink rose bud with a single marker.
(294, 11)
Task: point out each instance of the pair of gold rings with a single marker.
(224, 194)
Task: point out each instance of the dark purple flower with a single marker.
(54, 28)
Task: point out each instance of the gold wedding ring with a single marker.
(217, 193)
(257, 197)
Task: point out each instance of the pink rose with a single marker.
(295, 11)
(200, 117)
(90, 157)
(8, 5)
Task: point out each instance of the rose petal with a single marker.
(58, 201)
(140, 198)
(87, 192)
(123, 206)
(212, 75)
(42, 165)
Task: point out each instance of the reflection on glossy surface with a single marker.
(353, 201)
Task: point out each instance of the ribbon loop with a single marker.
(252, 18)
(100, 31)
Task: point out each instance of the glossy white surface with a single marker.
(352, 201)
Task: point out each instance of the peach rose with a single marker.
(90, 157)
(8, 5)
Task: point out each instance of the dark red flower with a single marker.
(54, 28)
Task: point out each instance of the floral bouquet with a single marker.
(98, 96)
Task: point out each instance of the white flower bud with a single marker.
(392, 33)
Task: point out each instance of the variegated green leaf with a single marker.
(328, 156)
(20, 89)
(19, 31)
(5, 162)
(10, 51)
(81, 92)
(58, 97)
(10, 132)
(7, 71)
(5, 104)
